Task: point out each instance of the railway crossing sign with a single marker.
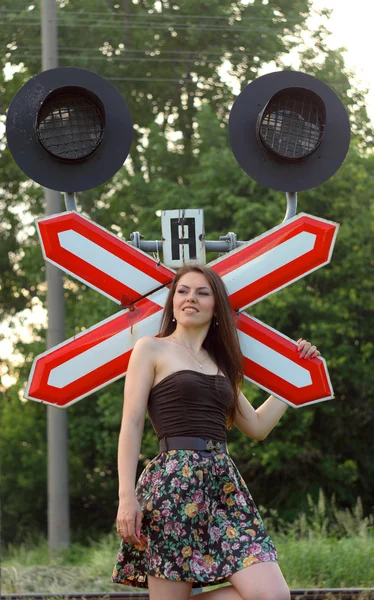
(96, 357)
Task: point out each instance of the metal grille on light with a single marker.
(292, 125)
(70, 125)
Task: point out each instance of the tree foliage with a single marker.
(181, 159)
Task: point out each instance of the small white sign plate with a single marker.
(183, 237)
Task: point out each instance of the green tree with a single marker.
(181, 158)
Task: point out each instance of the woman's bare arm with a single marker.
(257, 424)
(139, 379)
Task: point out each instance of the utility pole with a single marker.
(58, 484)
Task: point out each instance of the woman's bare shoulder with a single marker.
(150, 343)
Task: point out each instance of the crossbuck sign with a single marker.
(96, 357)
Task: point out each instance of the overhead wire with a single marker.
(150, 78)
(117, 58)
(143, 19)
(139, 51)
(127, 59)
(180, 80)
(101, 25)
(280, 20)
(167, 15)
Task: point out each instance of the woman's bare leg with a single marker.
(261, 581)
(165, 589)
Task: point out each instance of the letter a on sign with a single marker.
(183, 237)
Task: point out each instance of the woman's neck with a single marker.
(191, 338)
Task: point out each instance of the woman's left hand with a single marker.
(306, 350)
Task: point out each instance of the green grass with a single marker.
(327, 562)
(325, 547)
(30, 569)
(318, 562)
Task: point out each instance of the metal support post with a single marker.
(58, 492)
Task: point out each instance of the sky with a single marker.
(351, 26)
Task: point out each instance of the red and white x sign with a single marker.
(96, 357)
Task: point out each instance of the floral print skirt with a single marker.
(199, 522)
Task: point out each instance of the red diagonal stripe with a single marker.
(319, 389)
(40, 389)
(49, 229)
(325, 232)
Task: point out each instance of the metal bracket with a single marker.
(230, 237)
(70, 201)
(136, 238)
(226, 243)
(291, 205)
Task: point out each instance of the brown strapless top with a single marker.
(190, 403)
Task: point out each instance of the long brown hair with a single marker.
(221, 341)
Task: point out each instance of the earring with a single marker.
(174, 319)
(215, 321)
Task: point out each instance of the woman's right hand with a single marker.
(129, 519)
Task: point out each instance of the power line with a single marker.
(145, 50)
(123, 58)
(336, 84)
(180, 80)
(195, 79)
(168, 16)
(166, 26)
(155, 59)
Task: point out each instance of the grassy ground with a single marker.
(80, 569)
(328, 563)
(324, 548)
(310, 563)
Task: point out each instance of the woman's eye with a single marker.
(200, 293)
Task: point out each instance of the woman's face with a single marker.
(193, 302)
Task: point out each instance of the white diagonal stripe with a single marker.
(274, 362)
(104, 352)
(269, 261)
(159, 297)
(108, 263)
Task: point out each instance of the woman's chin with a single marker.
(193, 321)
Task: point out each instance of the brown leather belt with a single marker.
(192, 443)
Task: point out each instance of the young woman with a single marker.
(191, 520)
